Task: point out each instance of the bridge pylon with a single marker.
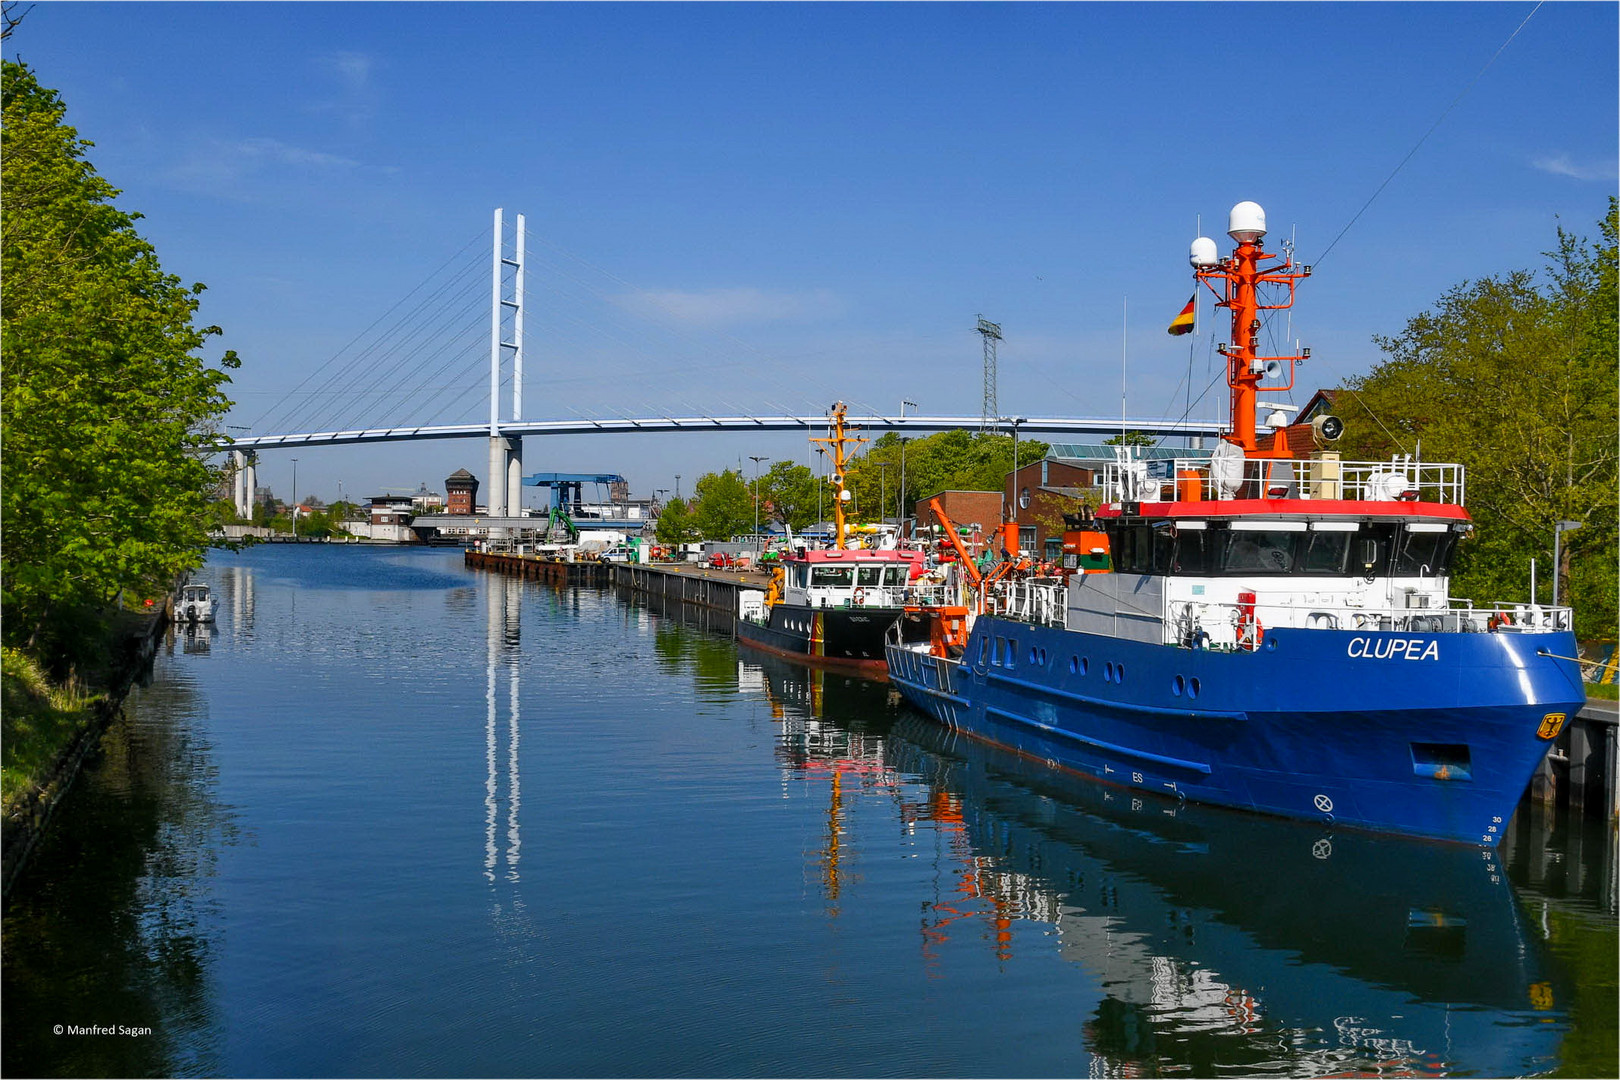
(505, 452)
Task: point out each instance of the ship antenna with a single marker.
(1124, 341)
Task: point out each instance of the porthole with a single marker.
(1178, 686)
(1119, 673)
(1034, 654)
(1108, 671)
(1074, 664)
(1192, 687)
(1085, 664)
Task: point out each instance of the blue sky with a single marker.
(767, 207)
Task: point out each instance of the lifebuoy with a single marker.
(1498, 620)
(1250, 631)
(860, 597)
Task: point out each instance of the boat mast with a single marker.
(837, 441)
(1241, 275)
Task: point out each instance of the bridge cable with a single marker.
(1454, 103)
(333, 358)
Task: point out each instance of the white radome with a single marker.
(1203, 253)
(1247, 222)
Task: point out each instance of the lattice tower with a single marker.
(992, 412)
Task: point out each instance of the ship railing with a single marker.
(932, 596)
(1221, 624)
(1323, 476)
(1038, 602)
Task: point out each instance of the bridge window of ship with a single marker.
(1425, 549)
(1261, 547)
(832, 576)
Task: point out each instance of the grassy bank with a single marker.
(40, 721)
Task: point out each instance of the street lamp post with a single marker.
(883, 490)
(1559, 528)
(1012, 509)
(821, 465)
(295, 498)
(902, 499)
(677, 485)
(756, 459)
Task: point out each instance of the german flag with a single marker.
(1183, 323)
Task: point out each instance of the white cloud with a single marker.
(726, 307)
(1561, 165)
(221, 167)
(354, 97)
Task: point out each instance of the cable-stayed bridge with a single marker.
(426, 358)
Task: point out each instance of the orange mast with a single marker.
(837, 440)
(1241, 275)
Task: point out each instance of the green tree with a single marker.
(788, 495)
(724, 505)
(1131, 438)
(946, 461)
(676, 524)
(1514, 377)
(109, 416)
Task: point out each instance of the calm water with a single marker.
(395, 818)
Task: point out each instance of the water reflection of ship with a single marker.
(1218, 941)
(1246, 943)
(193, 639)
(811, 746)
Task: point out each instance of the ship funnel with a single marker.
(1247, 222)
(1203, 254)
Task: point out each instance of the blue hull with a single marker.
(1431, 735)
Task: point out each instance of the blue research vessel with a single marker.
(1269, 628)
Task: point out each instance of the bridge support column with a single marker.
(244, 481)
(514, 477)
(498, 447)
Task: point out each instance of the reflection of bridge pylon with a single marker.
(503, 638)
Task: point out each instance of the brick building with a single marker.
(461, 487)
(966, 509)
(1041, 493)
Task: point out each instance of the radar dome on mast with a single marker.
(1246, 223)
(1203, 253)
